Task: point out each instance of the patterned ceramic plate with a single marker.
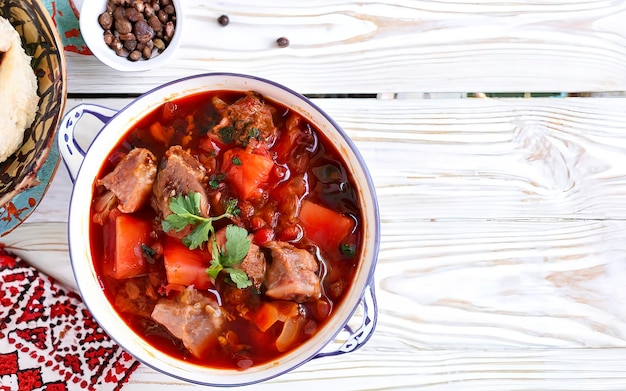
(25, 176)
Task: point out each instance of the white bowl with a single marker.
(92, 33)
(85, 166)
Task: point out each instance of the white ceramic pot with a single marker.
(346, 330)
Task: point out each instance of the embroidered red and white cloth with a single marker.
(48, 339)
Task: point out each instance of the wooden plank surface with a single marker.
(515, 159)
(503, 252)
(474, 370)
(392, 46)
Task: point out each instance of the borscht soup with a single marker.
(225, 229)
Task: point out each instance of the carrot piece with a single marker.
(266, 316)
(125, 236)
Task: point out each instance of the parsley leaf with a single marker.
(227, 134)
(348, 249)
(188, 204)
(235, 250)
(216, 266)
(186, 211)
(215, 180)
(237, 245)
(231, 205)
(239, 277)
(174, 222)
(253, 133)
(199, 235)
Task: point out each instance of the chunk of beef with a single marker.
(254, 265)
(248, 118)
(179, 173)
(291, 274)
(132, 179)
(193, 318)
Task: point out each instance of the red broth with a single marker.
(305, 172)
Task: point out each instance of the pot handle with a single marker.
(70, 151)
(359, 328)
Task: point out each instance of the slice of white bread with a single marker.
(18, 91)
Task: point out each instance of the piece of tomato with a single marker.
(124, 237)
(323, 226)
(246, 171)
(184, 266)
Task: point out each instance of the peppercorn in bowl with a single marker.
(132, 35)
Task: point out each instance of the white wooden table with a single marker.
(503, 250)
